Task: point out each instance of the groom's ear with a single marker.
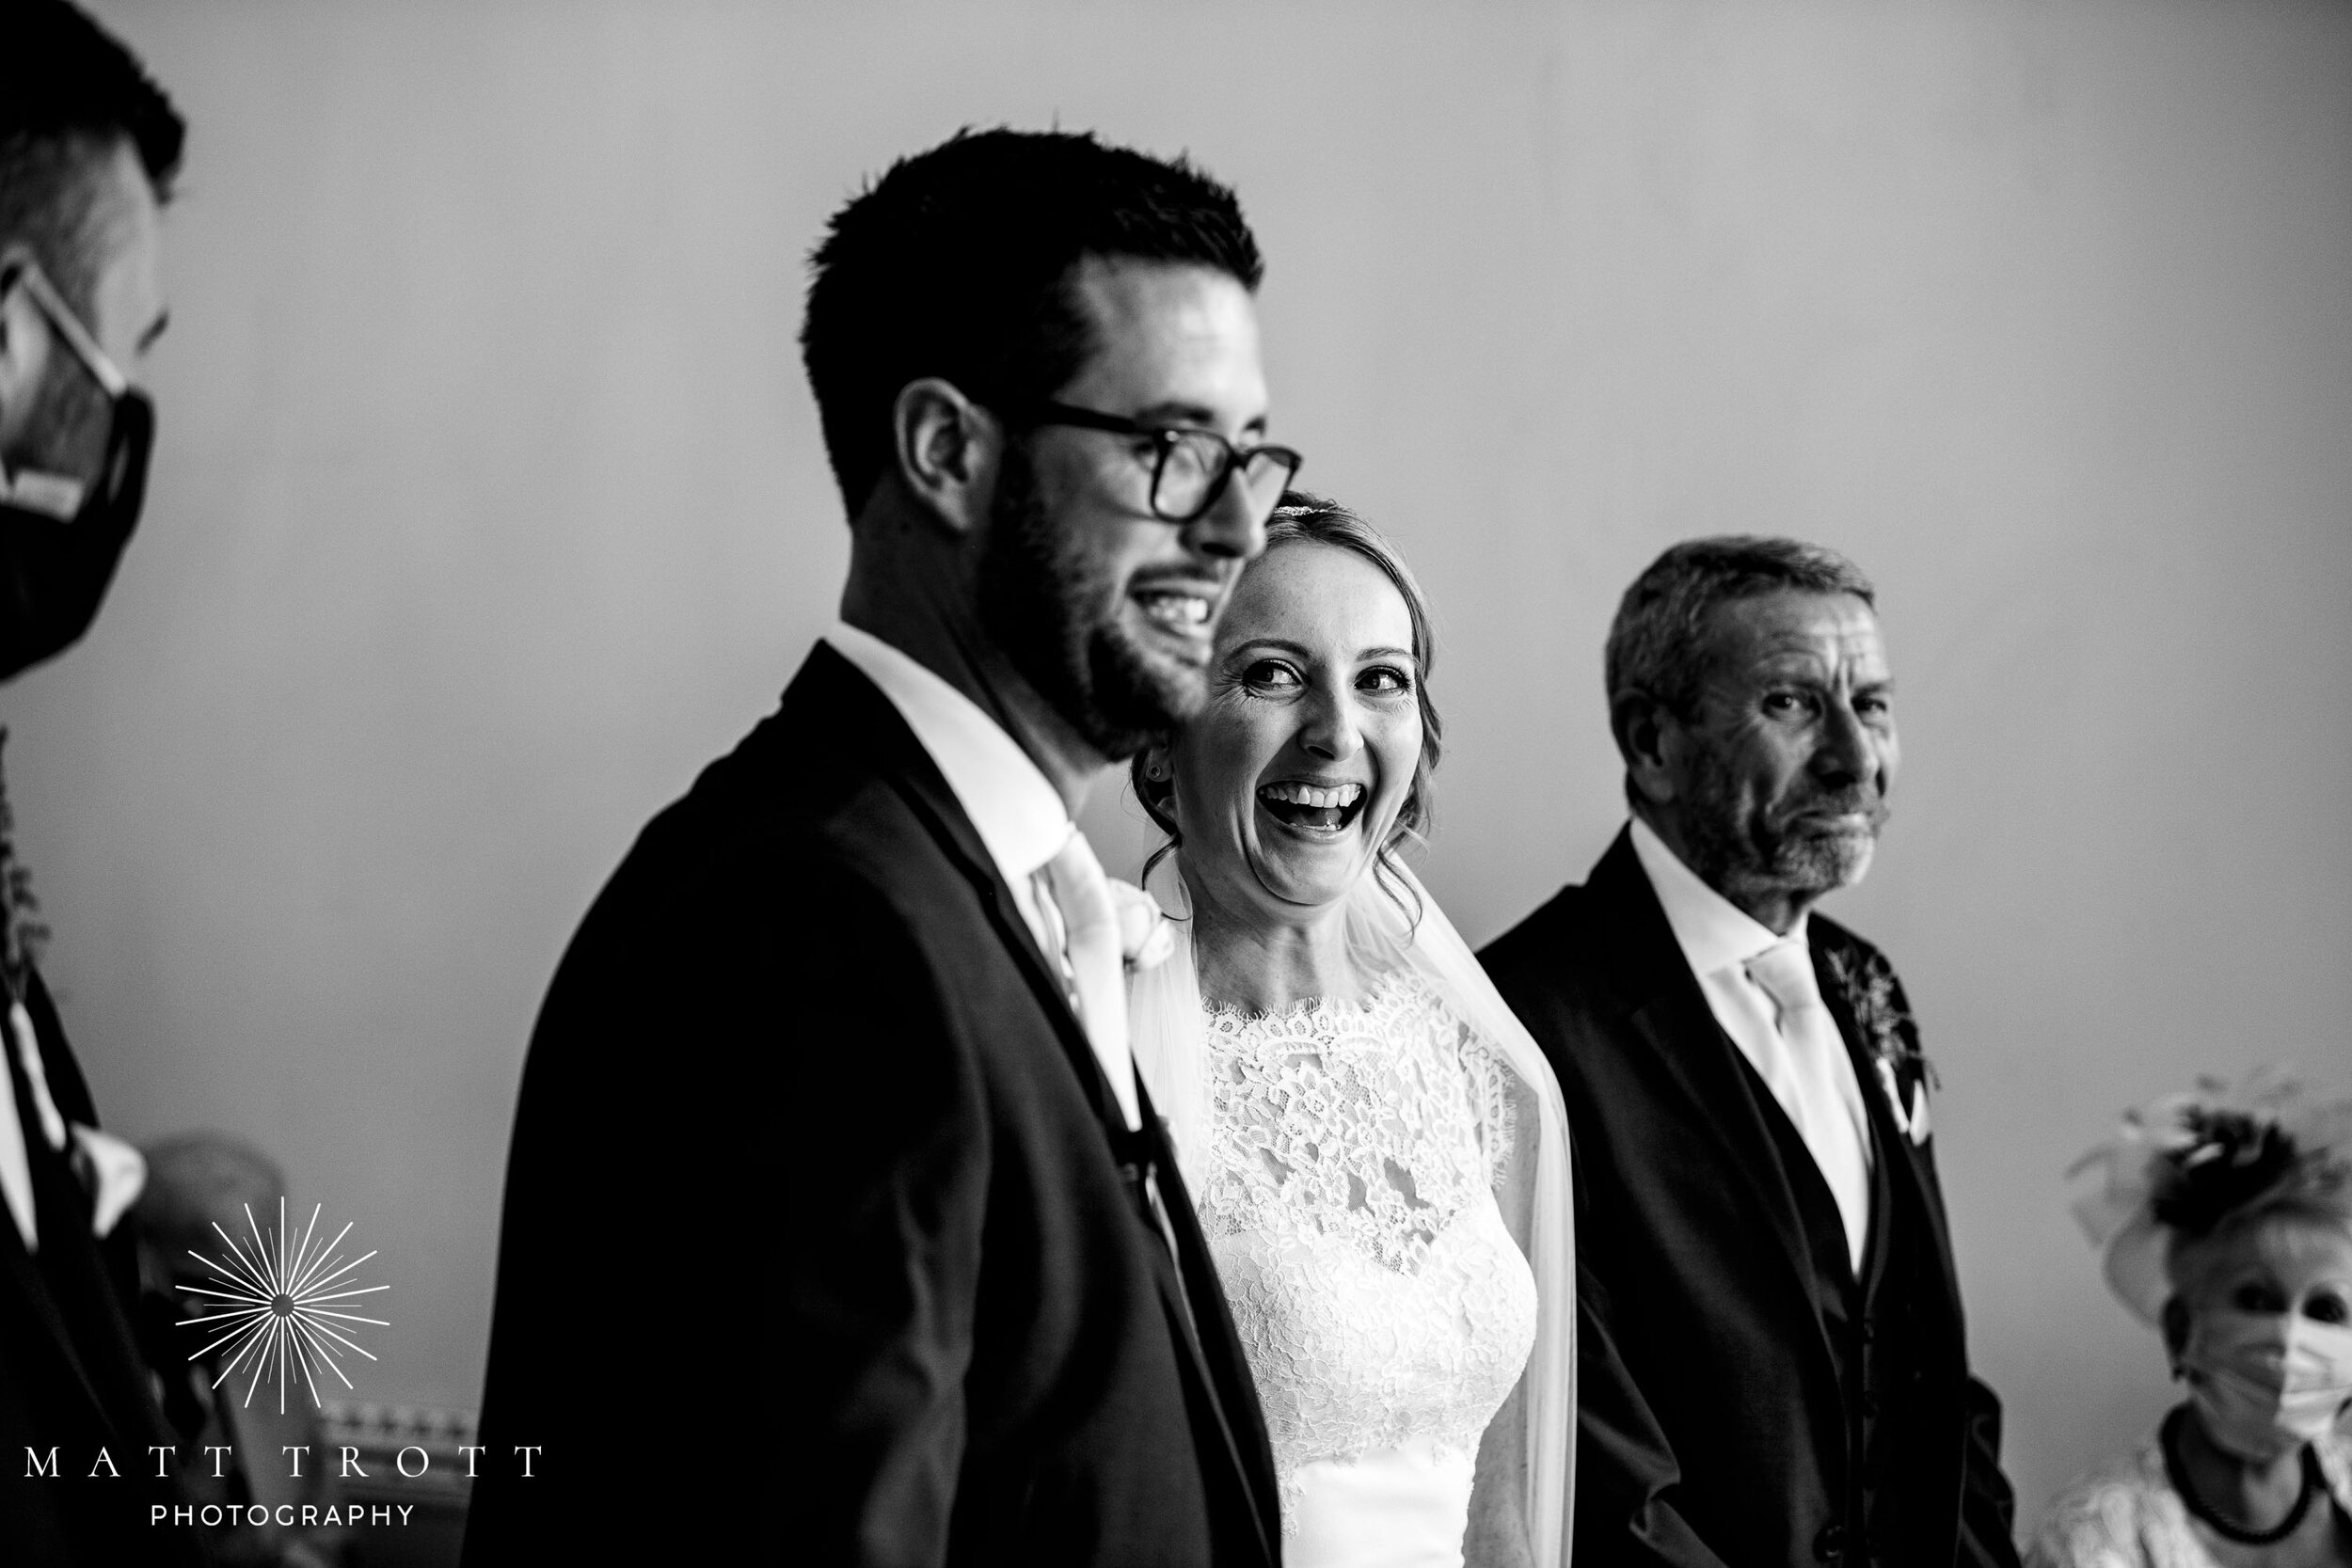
(948, 450)
(1644, 728)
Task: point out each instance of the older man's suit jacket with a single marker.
(72, 1383)
(817, 1233)
(1745, 1398)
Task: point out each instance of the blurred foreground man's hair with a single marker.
(69, 96)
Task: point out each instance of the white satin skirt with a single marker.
(1395, 1508)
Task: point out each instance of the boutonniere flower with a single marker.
(1145, 936)
(1891, 1035)
(21, 934)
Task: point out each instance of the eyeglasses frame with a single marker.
(1165, 438)
(22, 269)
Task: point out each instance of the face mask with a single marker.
(59, 540)
(2268, 1382)
(55, 570)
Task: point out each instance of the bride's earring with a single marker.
(1155, 767)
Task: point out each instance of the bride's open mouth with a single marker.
(1320, 809)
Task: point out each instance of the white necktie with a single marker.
(1097, 972)
(1803, 1077)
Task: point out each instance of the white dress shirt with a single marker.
(118, 1170)
(1020, 817)
(1718, 939)
(1015, 808)
(16, 1169)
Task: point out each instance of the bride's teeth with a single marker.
(1339, 796)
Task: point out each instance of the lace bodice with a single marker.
(1349, 1199)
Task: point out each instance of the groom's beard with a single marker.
(1053, 611)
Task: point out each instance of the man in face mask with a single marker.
(88, 148)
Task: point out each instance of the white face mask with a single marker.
(2268, 1382)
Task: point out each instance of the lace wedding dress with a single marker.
(1352, 1154)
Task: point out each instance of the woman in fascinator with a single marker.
(1377, 1149)
(2226, 1220)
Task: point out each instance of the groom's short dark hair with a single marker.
(957, 264)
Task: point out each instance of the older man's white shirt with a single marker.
(1718, 939)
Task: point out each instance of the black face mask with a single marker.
(54, 571)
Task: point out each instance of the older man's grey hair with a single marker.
(1658, 643)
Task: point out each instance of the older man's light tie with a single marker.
(1804, 1078)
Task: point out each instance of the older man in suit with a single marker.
(1772, 1366)
(852, 1013)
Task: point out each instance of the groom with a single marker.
(837, 1228)
(1771, 1367)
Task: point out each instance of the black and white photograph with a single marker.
(1059, 783)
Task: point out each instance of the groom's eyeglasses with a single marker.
(1190, 469)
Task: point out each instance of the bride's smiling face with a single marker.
(1291, 780)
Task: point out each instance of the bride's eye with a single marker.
(1384, 680)
(1271, 676)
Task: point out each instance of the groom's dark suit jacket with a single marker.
(815, 1235)
(1744, 1397)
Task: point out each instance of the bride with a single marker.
(1377, 1148)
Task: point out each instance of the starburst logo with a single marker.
(276, 1320)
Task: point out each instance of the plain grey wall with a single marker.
(490, 504)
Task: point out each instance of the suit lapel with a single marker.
(926, 792)
(850, 706)
(1693, 1054)
(21, 1272)
(1227, 1388)
(1910, 1180)
(1223, 1386)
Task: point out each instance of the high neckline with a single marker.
(1378, 991)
